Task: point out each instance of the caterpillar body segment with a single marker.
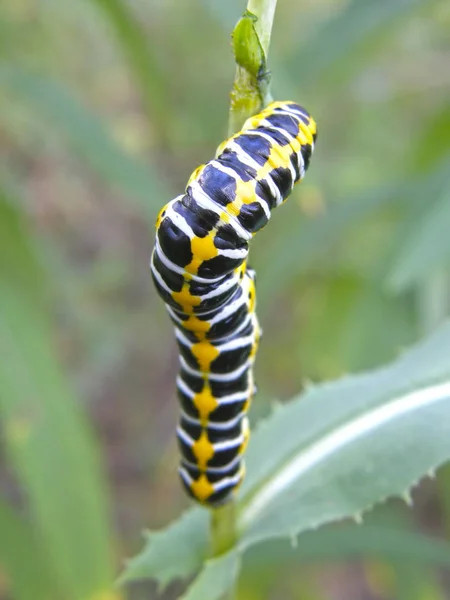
(199, 268)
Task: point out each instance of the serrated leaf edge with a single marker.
(335, 441)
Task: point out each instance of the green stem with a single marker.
(251, 39)
(223, 534)
(223, 528)
(264, 10)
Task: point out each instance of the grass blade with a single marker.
(46, 438)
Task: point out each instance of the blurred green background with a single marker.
(106, 106)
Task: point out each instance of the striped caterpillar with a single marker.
(199, 267)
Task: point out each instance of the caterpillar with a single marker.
(199, 268)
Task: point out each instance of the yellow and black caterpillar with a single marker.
(199, 269)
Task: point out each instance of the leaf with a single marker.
(444, 497)
(217, 576)
(304, 241)
(46, 438)
(173, 553)
(328, 454)
(434, 142)
(349, 542)
(85, 133)
(21, 559)
(351, 324)
(344, 34)
(427, 247)
(147, 72)
(333, 456)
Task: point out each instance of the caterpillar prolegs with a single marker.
(199, 267)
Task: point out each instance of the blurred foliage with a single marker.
(105, 109)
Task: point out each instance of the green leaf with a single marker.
(144, 66)
(217, 576)
(21, 559)
(444, 497)
(176, 552)
(328, 455)
(352, 325)
(427, 247)
(349, 542)
(344, 34)
(304, 241)
(333, 455)
(85, 133)
(45, 435)
(434, 142)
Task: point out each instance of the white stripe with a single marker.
(228, 283)
(204, 201)
(229, 309)
(268, 125)
(300, 161)
(226, 481)
(255, 132)
(180, 222)
(166, 261)
(180, 336)
(184, 226)
(173, 315)
(301, 165)
(181, 385)
(248, 160)
(222, 315)
(245, 159)
(223, 400)
(227, 377)
(158, 277)
(224, 469)
(221, 289)
(185, 437)
(217, 486)
(218, 446)
(217, 426)
(185, 476)
(290, 112)
(258, 133)
(317, 453)
(228, 444)
(245, 323)
(236, 397)
(233, 252)
(240, 342)
(173, 267)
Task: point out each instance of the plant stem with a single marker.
(223, 534)
(251, 39)
(264, 10)
(223, 528)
